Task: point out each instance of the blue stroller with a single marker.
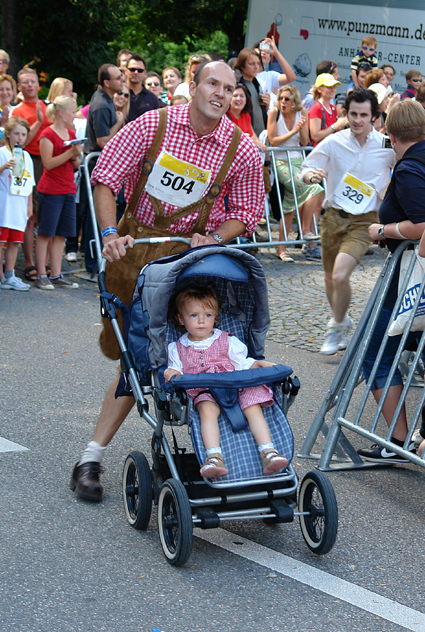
(174, 484)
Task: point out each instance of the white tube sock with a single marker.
(93, 453)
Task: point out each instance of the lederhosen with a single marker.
(121, 276)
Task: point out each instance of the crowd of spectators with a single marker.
(266, 105)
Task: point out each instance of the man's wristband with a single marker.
(108, 231)
(333, 128)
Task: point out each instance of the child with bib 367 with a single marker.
(15, 201)
(206, 349)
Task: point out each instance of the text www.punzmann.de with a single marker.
(371, 29)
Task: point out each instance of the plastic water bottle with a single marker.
(19, 160)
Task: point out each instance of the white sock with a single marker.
(265, 446)
(214, 451)
(93, 453)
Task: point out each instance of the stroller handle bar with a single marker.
(145, 240)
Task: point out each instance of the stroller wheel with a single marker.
(319, 527)
(137, 490)
(175, 522)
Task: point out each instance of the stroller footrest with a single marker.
(209, 518)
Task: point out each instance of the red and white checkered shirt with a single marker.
(122, 158)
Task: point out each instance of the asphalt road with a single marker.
(68, 566)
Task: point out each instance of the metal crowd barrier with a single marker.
(269, 242)
(346, 401)
(95, 243)
(266, 242)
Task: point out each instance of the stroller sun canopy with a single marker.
(233, 270)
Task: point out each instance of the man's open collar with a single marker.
(369, 137)
(219, 133)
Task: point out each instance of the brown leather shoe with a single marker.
(85, 482)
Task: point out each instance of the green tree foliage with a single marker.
(161, 51)
(72, 38)
(177, 19)
(69, 38)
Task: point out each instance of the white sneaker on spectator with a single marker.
(417, 438)
(14, 283)
(348, 326)
(333, 338)
(311, 237)
(71, 257)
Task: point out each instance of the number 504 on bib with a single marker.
(176, 181)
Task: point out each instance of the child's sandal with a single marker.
(273, 462)
(213, 466)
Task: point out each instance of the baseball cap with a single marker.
(325, 79)
(381, 91)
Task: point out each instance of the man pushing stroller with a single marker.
(177, 165)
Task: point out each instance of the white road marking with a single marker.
(9, 446)
(325, 582)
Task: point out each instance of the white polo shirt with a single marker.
(341, 154)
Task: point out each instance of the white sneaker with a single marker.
(348, 324)
(71, 257)
(333, 338)
(417, 438)
(14, 283)
(311, 237)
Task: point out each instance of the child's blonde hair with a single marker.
(57, 87)
(13, 122)
(370, 41)
(60, 104)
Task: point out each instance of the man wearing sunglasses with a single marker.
(141, 100)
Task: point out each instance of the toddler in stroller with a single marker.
(206, 349)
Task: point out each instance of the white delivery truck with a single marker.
(309, 31)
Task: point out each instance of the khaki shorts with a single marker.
(344, 234)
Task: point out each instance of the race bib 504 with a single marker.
(176, 181)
